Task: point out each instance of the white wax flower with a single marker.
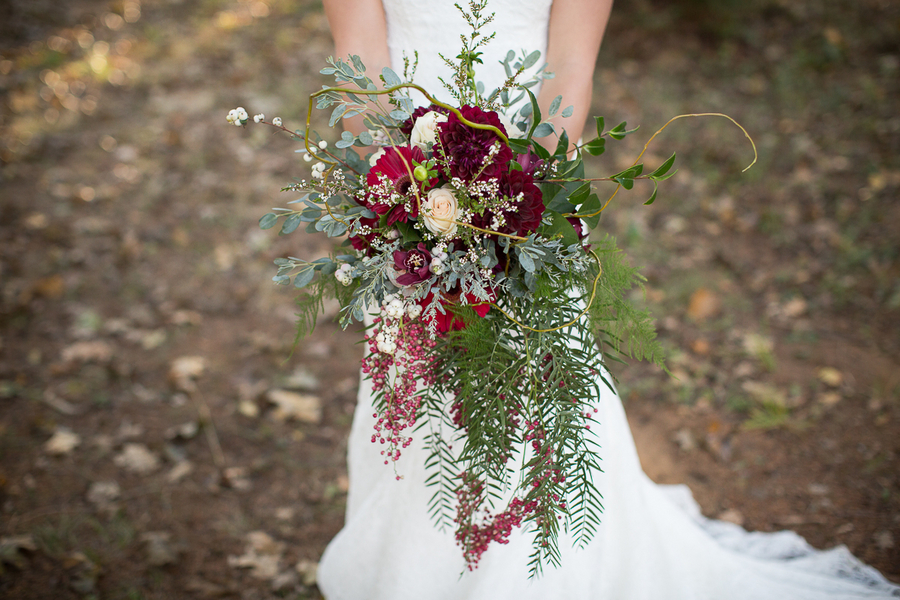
(439, 211)
(425, 129)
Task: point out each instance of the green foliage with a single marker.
(622, 326)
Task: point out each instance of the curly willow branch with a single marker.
(660, 130)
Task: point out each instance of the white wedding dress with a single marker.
(653, 543)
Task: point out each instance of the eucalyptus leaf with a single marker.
(543, 130)
(554, 106)
(531, 59)
(268, 221)
(304, 277)
(290, 224)
(390, 78)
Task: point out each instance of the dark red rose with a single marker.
(415, 262)
(467, 148)
(527, 205)
(391, 185)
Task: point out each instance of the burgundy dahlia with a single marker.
(415, 262)
(468, 149)
(527, 202)
(390, 184)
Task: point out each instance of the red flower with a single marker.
(415, 262)
(524, 217)
(364, 242)
(468, 149)
(390, 184)
(445, 321)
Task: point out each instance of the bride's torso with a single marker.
(434, 27)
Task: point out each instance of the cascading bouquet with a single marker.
(491, 315)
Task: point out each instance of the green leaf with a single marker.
(554, 106)
(518, 146)
(596, 146)
(560, 227)
(544, 129)
(390, 78)
(535, 114)
(268, 221)
(653, 195)
(630, 173)
(365, 138)
(531, 59)
(589, 207)
(599, 126)
(568, 111)
(580, 195)
(625, 183)
(663, 168)
(562, 146)
(304, 277)
(408, 233)
(337, 114)
(290, 224)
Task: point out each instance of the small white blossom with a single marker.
(413, 311)
(259, 118)
(276, 121)
(437, 266)
(232, 116)
(395, 309)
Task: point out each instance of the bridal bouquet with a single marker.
(491, 313)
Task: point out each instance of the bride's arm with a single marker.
(359, 27)
(575, 31)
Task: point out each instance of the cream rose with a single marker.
(425, 129)
(439, 211)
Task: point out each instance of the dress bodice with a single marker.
(433, 27)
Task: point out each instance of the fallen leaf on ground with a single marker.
(703, 305)
(159, 548)
(685, 439)
(765, 392)
(62, 442)
(96, 351)
(291, 405)
(180, 471)
(183, 371)
(829, 398)
(262, 555)
(308, 570)
(830, 376)
(103, 493)
(732, 515)
(11, 550)
(137, 458)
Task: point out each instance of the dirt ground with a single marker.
(159, 439)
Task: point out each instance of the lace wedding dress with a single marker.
(653, 542)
